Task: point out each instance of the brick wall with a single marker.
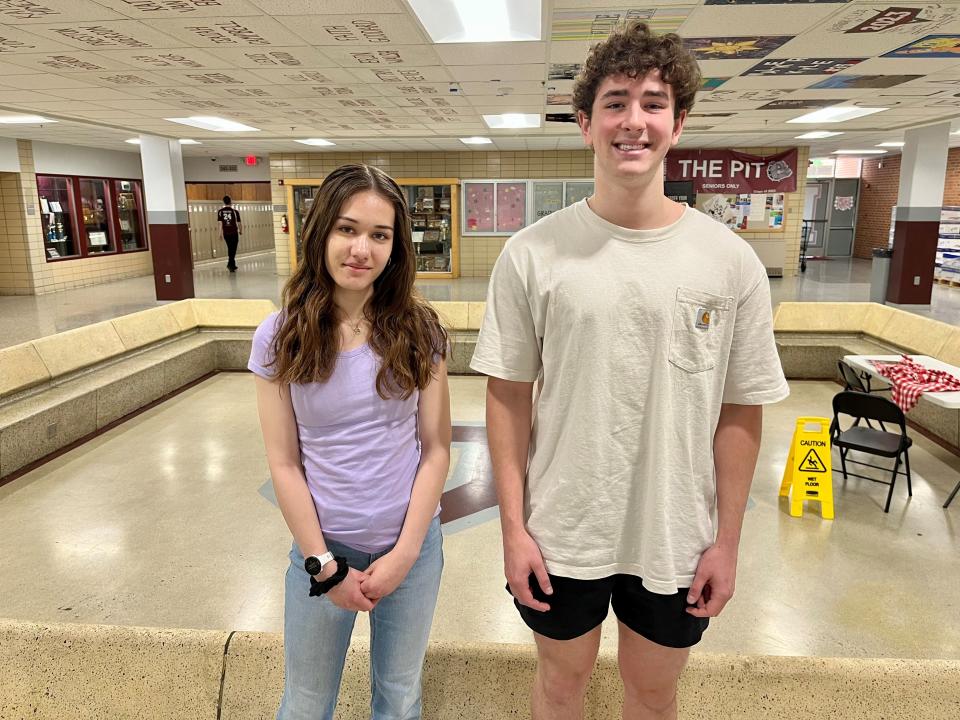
(873, 215)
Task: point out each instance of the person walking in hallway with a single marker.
(647, 329)
(231, 228)
(355, 412)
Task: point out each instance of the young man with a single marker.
(648, 329)
(230, 231)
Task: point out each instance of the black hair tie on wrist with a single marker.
(320, 588)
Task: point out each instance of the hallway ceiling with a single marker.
(365, 75)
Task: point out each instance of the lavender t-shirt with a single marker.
(360, 453)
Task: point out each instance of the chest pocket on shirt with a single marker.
(699, 324)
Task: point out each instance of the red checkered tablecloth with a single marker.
(910, 380)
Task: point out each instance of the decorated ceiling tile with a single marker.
(31, 12)
(360, 30)
(563, 71)
(593, 24)
(712, 83)
(844, 81)
(20, 41)
(299, 76)
(382, 56)
(799, 104)
(211, 32)
(802, 66)
(331, 7)
(149, 9)
(401, 75)
(931, 46)
(168, 59)
(875, 29)
(416, 89)
(109, 35)
(770, 2)
(68, 61)
(734, 48)
(271, 57)
(505, 53)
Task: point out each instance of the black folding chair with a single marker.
(869, 439)
(852, 380)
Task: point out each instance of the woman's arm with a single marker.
(279, 427)
(433, 422)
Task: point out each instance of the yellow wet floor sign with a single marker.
(808, 474)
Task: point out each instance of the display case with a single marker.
(434, 214)
(56, 217)
(96, 218)
(129, 214)
(87, 217)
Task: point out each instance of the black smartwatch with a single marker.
(314, 564)
(320, 588)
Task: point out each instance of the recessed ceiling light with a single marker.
(315, 141)
(859, 152)
(512, 120)
(476, 140)
(891, 144)
(217, 124)
(25, 119)
(836, 113)
(818, 135)
(133, 141)
(469, 21)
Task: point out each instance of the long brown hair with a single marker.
(406, 332)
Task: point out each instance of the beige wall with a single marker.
(478, 253)
(23, 266)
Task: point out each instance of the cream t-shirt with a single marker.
(636, 338)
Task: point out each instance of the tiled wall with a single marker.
(28, 272)
(16, 276)
(477, 253)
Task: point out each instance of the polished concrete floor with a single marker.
(168, 520)
(27, 318)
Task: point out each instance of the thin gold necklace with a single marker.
(355, 328)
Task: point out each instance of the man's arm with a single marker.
(509, 414)
(736, 444)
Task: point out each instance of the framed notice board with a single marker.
(764, 212)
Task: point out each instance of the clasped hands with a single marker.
(361, 590)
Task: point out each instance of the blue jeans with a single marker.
(316, 636)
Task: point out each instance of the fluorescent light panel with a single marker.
(24, 120)
(836, 113)
(891, 144)
(183, 141)
(817, 135)
(474, 21)
(859, 152)
(512, 120)
(476, 140)
(316, 141)
(217, 124)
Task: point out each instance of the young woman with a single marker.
(355, 413)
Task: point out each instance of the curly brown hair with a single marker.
(406, 332)
(632, 49)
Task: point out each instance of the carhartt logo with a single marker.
(703, 318)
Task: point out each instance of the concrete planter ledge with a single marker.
(69, 672)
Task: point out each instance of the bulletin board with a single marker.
(764, 212)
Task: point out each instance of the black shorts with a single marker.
(578, 606)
